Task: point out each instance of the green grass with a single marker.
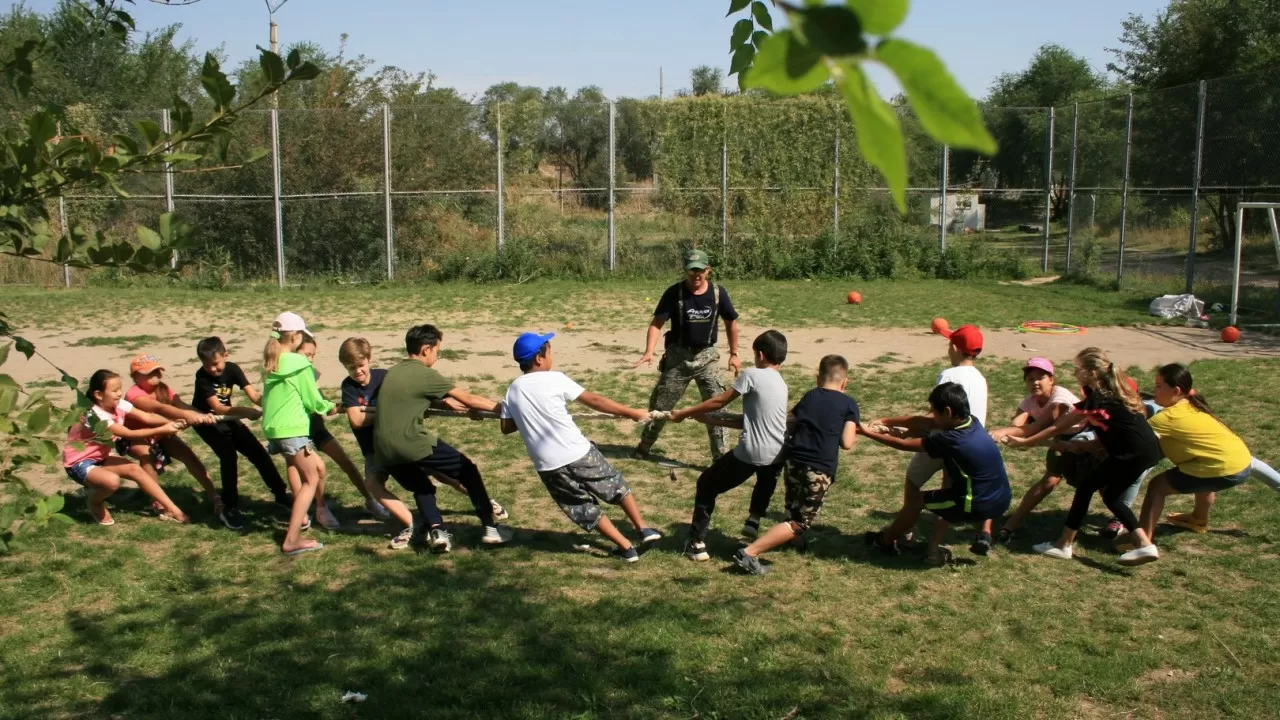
(152, 620)
(126, 342)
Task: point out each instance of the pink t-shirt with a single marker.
(137, 391)
(1059, 396)
(94, 449)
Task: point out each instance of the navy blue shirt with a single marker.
(815, 437)
(696, 326)
(973, 463)
(354, 395)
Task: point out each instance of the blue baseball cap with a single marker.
(528, 345)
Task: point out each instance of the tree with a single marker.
(523, 122)
(577, 135)
(706, 80)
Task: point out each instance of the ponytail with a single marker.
(1110, 379)
(280, 342)
(1176, 375)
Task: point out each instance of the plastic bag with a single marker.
(1173, 306)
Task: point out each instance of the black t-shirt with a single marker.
(696, 327)
(208, 385)
(354, 395)
(1124, 434)
(820, 418)
(974, 466)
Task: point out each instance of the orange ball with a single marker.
(855, 297)
(940, 325)
(1230, 334)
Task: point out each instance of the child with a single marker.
(978, 487)
(759, 451)
(359, 401)
(289, 397)
(1045, 403)
(964, 345)
(326, 443)
(407, 447)
(216, 380)
(89, 462)
(1112, 407)
(151, 394)
(824, 422)
(572, 469)
(1207, 456)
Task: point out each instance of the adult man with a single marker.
(689, 350)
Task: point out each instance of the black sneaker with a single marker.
(1004, 537)
(751, 565)
(697, 550)
(628, 556)
(232, 518)
(641, 452)
(875, 538)
(981, 544)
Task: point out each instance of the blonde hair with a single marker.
(280, 342)
(353, 350)
(1109, 379)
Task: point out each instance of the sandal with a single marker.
(305, 549)
(106, 520)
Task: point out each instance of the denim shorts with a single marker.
(80, 471)
(290, 446)
(1187, 484)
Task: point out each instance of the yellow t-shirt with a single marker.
(1199, 444)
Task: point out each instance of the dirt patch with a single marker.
(1164, 676)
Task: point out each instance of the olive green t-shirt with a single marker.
(400, 430)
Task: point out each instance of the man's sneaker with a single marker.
(697, 550)
(628, 556)
(1048, 549)
(232, 518)
(750, 565)
(326, 518)
(376, 509)
(981, 544)
(938, 557)
(404, 539)
(1140, 556)
(641, 452)
(1113, 528)
(1004, 536)
(496, 535)
(439, 540)
(875, 538)
(751, 528)
(499, 512)
(1187, 521)
(649, 535)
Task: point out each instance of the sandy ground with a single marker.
(485, 351)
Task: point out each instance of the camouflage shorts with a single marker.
(579, 488)
(806, 489)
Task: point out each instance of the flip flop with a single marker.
(106, 521)
(299, 551)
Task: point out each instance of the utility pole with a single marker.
(659, 82)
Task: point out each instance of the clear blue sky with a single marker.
(619, 44)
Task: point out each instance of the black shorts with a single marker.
(1072, 467)
(942, 503)
(318, 433)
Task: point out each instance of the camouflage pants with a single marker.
(679, 366)
(806, 489)
(579, 488)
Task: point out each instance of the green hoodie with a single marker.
(289, 396)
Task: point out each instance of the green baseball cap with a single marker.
(696, 260)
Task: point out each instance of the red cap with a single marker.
(1133, 385)
(966, 338)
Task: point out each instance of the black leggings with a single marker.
(725, 474)
(1112, 478)
(443, 460)
(227, 438)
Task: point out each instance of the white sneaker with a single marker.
(375, 508)
(1053, 551)
(439, 540)
(402, 540)
(1140, 556)
(499, 512)
(496, 535)
(326, 518)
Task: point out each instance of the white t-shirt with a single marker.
(975, 386)
(536, 402)
(764, 415)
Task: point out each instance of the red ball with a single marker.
(1230, 334)
(940, 325)
(855, 297)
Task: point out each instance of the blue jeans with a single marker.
(80, 471)
(290, 446)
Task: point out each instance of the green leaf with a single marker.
(54, 503)
(4, 352)
(8, 399)
(742, 58)
(39, 420)
(831, 30)
(149, 238)
(24, 346)
(42, 127)
(215, 82)
(878, 130)
(305, 71)
(69, 381)
(786, 66)
(741, 33)
(947, 113)
(180, 116)
(150, 131)
(295, 57)
(63, 519)
(761, 13)
(736, 6)
(272, 67)
(256, 154)
(758, 38)
(181, 157)
(879, 17)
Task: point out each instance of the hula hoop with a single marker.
(1051, 328)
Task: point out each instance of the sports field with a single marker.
(150, 619)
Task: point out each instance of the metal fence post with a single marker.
(1195, 189)
(1093, 212)
(612, 184)
(275, 193)
(1124, 188)
(1071, 192)
(386, 190)
(66, 233)
(502, 219)
(835, 194)
(1048, 193)
(168, 181)
(724, 181)
(942, 202)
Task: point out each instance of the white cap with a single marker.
(289, 322)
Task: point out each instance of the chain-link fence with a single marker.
(1134, 184)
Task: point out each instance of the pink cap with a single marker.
(1039, 363)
